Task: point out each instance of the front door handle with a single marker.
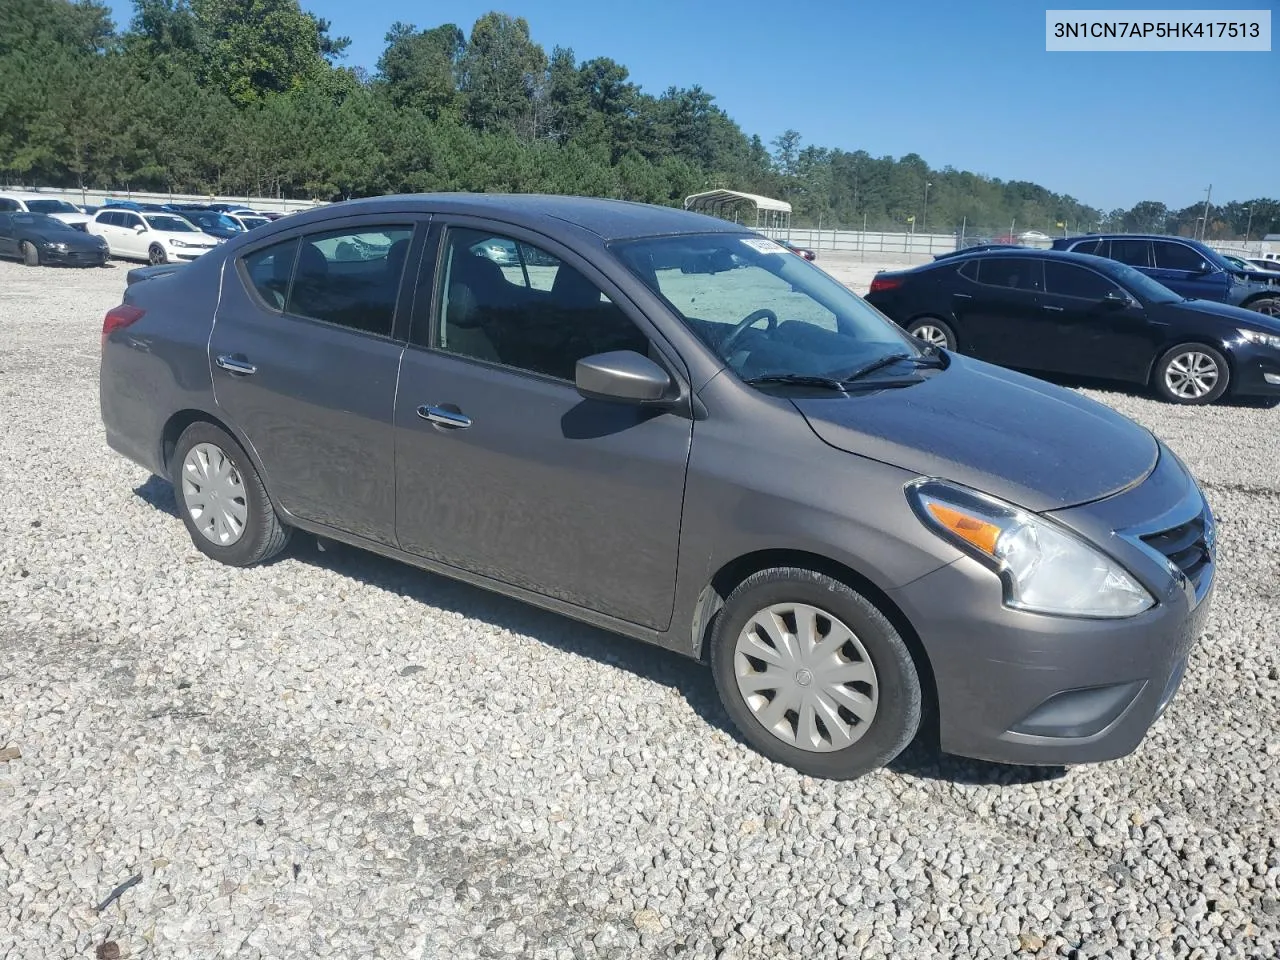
(963, 296)
(1053, 308)
(445, 418)
(228, 362)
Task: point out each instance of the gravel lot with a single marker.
(334, 755)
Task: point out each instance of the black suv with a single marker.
(1187, 267)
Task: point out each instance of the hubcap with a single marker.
(213, 494)
(931, 334)
(1269, 308)
(806, 677)
(1191, 375)
(157, 256)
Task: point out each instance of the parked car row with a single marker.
(1081, 314)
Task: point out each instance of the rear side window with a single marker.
(269, 271)
(7, 204)
(1136, 253)
(1177, 256)
(1087, 246)
(1011, 272)
(351, 277)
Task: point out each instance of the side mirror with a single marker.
(621, 376)
(139, 228)
(1115, 299)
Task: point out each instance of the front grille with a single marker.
(1187, 546)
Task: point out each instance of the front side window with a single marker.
(50, 206)
(1086, 246)
(1177, 256)
(764, 311)
(351, 277)
(508, 302)
(7, 204)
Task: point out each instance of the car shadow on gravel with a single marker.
(1134, 390)
(922, 760)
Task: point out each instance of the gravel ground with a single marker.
(334, 755)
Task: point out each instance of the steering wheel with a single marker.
(746, 323)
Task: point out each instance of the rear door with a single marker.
(1184, 269)
(304, 355)
(998, 311)
(1094, 336)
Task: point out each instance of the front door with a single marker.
(1185, 270)
(304, 355)
(502, 469)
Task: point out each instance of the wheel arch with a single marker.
(178, 422)
(1218, 346)
(730, 575)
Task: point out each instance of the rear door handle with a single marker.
(446, 418)
(966, 296)
(1054, 309)
(228, 362)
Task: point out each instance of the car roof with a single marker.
(607, 219)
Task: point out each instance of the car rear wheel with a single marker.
(1270, 306)
(222, 500)
(933, 331)
(1191, 373)
(814, 675)
(30, 255)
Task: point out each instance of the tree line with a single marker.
(250, 97)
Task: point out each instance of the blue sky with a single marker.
(966, 84)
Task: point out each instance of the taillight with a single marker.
(118, 318)
(884, 283)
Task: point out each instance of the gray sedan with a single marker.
(673, 428)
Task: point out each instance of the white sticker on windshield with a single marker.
(765, 246)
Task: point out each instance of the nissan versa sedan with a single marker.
(673, 428)
(1081, 315)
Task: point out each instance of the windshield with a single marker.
(1138, 282)
(169, 223)
(50, 206)
(211, 219)
(761, 309)
(41, 222)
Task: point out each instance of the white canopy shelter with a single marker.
(727, 205)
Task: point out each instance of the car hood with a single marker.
(1039, 446)
(1225, 311)
(72, 238)
(71, 217)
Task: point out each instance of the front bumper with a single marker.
(1255, 370)
(1016, 687)
(74, 258)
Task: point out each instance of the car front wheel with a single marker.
(1270, 306)
(1191, 373)
(222, 500)
(814, 675)
(30, 255)
(156, 255)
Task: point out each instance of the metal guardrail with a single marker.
(98, 197)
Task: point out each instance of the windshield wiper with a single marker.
(888, 358)
(799, 379)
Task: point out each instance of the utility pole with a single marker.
(1204, 230)
(927, 185)
(1250, 226)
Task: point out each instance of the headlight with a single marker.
(59, 246)
(1045, 568)
(1264, 339)
(179, 243)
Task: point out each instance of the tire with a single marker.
(30, 255)
(891, 690)
(936, 332)
(1175, 378)
(246, 533)
(1268, 306)
(156, 255)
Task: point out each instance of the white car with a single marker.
(248, 219)
(154, 237)
(68, 213)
